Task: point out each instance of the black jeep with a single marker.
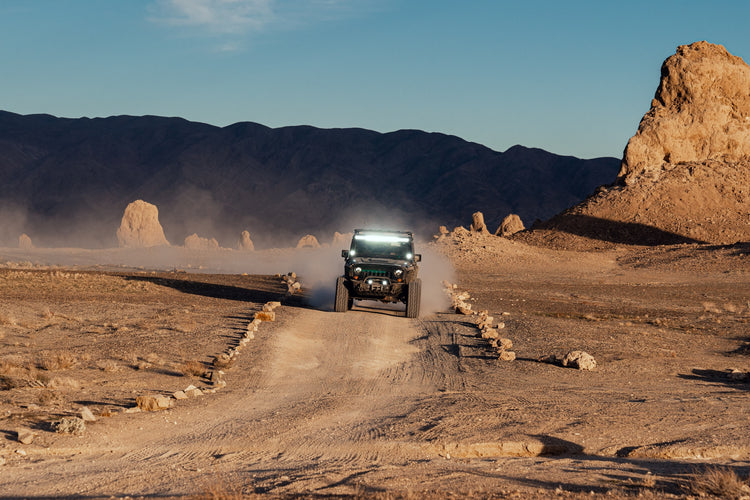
(380, 265)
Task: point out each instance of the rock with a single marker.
(464, 309)
(684, 175)
(477, 223)
(341, 240)
(153, 403)
(87, 415)
(490, 333)
(245, 243)
(140, 226)
(579, 359)
(504, 343)
(701, 111)
(193, 392)
(511, 224)
(265, 316)
(25, 436)
(24, 242)
(308, 241)
(273, 304)
(506, 355)
(69, 425)
(195, 242)
(179, 395)
(223, 360)
(738, 375)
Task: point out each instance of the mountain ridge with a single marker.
(68, 180)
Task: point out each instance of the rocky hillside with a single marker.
(685, 175)
(68, 181)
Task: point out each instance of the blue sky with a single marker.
(571, 77)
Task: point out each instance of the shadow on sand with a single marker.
(630, 233)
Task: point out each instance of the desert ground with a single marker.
(368, 403)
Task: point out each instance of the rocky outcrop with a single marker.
(140, 226)
(245, 243)
(685, 175)
(510, 225)
(341, 240)
(308, 241)
(24, 242)
(700, 113)
(195, 242)
(477, 223)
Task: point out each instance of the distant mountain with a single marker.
(67, 181)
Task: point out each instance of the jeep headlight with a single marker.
(357, 270)
(398, 272)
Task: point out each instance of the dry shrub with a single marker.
(107, 365)
(720, 482)
(50, 397)
(15, 366)
(7, 383)
(59, 360)
(193, 367)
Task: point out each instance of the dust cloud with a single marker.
(317, 268)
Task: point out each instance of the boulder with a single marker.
(140, 226)
(308, 241)
(153, 403)
(245, 243)
(195, 242)
(265, 316)
(511, 224)
(87, 415)
(69, 425)
(579, 359)
(24, 242)
(25, 436)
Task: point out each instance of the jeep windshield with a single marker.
(381, 246)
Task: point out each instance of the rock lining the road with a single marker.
(488, 329)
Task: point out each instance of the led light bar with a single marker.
(381, 237)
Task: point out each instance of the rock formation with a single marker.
(685, 175)
(140, 226)
(511, 224)
(477, 223)
(24, 242)
(341, 240)
(700, 113)
(195, 242)
(245, 243)
(308, 241)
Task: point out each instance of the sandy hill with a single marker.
(63, 179)
(685, 174)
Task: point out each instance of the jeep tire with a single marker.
(413, 298)
(342, 302)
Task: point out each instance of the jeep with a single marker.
(380, 265)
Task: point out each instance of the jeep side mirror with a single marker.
(345, 253)
(418, 257)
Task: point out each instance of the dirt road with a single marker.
(324, 403)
